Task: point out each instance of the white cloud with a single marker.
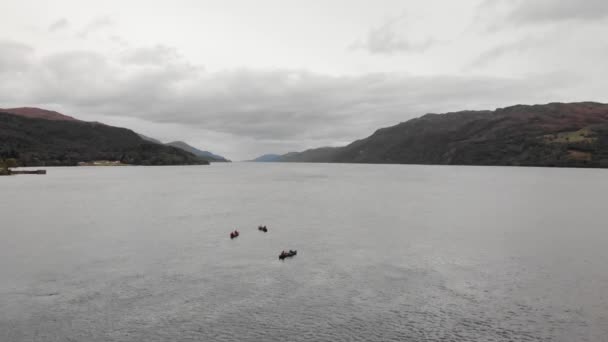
(390, 38)
(96, 25)
(60, 24)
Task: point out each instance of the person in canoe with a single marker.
(234, 234)
(289, 254)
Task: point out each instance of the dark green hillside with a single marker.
(211, 157)
(556, 134)
(318, 155)
(37, 142)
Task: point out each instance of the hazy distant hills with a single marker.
(556, 134)
(321, 154)
(185, 147)
(203, 154)
(267, 158)
(38, 137)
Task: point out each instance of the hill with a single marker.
(267, 158)
(202, 154)
(38, 142)
(146, 138)
(37, 113)
(211, 157)
(555, 134)
(315, 155)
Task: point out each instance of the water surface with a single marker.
(385, 253)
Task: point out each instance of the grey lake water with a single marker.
(385, 253)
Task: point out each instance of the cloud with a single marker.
(95, 25)
(540, 35)
(558, 10)
(520, 46)
(270, 104)
(255, 109)
(151, 55)
(517, 12)
(59, 25)
(388, 39)
(14, 57)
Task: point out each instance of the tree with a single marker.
(5, 164)
(10, 162)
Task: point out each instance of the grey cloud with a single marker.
(14, 56)
(15, 71)
(72, 76)
(544, 11)
(519, 46)
(556, 10)
(154, 55)
(387, 39)
(59, 25)
(296, 107)
(279, 104)
(541, 30)
(118, 40)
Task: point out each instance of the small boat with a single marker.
(289, 254)
(263, 229)
(234, 234)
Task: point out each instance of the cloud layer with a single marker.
(540, 12)
(390, 38)
(558, 10)
(88, 67)
(155, 84)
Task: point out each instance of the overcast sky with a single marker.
(243, 78)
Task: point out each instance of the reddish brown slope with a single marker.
(37, 113)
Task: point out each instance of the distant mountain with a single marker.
(315, 155)
(318, 155)
(43, 141)
(267, 158)
(146, 138)
(37, 113)
(556, 134)
(203, 154)
(183, 146)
